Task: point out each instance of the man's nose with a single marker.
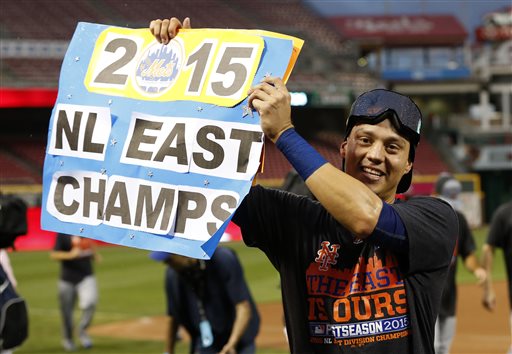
(376, 152)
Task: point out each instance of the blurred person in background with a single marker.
(5, 263)
(293, 183)
(212, 301)
(77, 281)
(449, 188)
(500, 235)
(14, 321)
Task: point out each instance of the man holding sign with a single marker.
(360, 271)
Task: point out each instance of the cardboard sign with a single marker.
(153, 146)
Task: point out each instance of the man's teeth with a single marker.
(372, 171)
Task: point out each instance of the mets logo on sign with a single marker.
(158, 68)
(327, 254)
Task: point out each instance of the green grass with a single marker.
(131, 286)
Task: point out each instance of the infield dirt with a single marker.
(478, 331)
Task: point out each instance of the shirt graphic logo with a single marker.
(318, 329)
(327, 254)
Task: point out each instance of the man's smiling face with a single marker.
(377, 156)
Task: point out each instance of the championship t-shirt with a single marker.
(344, 295)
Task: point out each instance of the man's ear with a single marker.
(408, 167)
(343, 148)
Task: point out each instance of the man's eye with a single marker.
(393, 148)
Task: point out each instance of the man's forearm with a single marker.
(487, 260)
(471, 263)
(242, 318)
(65, 255)
(348, 200)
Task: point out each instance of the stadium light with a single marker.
(299, 98)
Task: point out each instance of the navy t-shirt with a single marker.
(343, 295)
(500, 235)
(224, 287)
(74, 270)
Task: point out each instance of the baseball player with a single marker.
(500, 235)
(360, 272)
(77, 281)
(449, 188)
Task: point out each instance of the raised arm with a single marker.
(73, 253)
(347, 199)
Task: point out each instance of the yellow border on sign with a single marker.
(297, 47)
(189, 39)
(96, 55)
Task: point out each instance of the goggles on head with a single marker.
(373, 106)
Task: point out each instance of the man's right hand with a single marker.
(273, 102)
(489, 299)
(165, 30)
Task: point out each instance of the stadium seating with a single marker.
(14, 170)
(46, 19)
(428, 160)
(276, 166)
(31, 151)
(326, 64)
(42, 72)
(290, 16)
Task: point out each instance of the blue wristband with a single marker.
(303, 157)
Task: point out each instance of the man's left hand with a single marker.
(273, 102)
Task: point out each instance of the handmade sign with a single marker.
(154, 146)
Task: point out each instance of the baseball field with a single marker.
(130, 316)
